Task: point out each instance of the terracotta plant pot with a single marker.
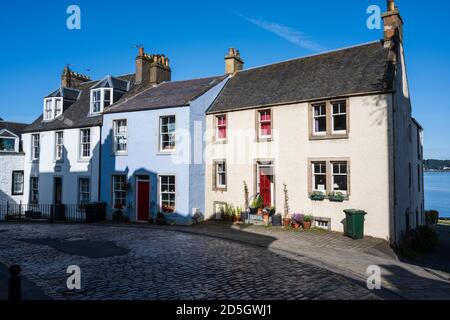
(266, 218)
(306, 225)
(295, 225)
(286, 222)
(260, 211)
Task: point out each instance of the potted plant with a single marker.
(272, 210)
(257, 205)
(266, 215)
(246, 196)
(297, 220)
(336, 197)
(228, 212)
(317, 196)
(237, 214)
(307, 221)
(118, 213)
(286, 219)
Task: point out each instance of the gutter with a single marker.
(312, 100)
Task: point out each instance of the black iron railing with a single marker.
(53, 213)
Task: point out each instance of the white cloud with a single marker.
(296, 37)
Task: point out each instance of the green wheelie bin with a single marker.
(354, 223)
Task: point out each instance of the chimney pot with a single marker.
(393, 24)
(391, 5)
(233, 61)
(71, 79)
(152, 69)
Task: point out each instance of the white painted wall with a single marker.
(9, 162)
(407, 196)
(366, 147)
(70, 169)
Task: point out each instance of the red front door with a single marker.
(265, 189)
(143, 200)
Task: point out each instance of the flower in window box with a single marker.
(317, 196)
(336, 197)
(167, 209)
(118, 206)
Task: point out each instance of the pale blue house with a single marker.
(152, 145)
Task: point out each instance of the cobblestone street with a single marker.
(145, 263)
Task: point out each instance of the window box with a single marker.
(337, 197)
(317, 196)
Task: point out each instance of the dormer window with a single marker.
(58, 107)
(100, 99)
(52, 108)
(7, 144)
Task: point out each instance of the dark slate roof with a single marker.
(77, 115)
(67, 93)
(165, 95)
(359, 69)
(16, 128)
(112, 82)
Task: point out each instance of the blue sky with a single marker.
(36, 45)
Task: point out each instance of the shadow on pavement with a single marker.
(439, 259)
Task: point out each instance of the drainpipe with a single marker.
(100, 166)
(394, 152)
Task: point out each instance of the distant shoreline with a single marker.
(436, 171)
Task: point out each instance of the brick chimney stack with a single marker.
(233, 61)
(393, 24)
(70, 79)
(152, 69)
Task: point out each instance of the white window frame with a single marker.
(48, 112)
(161, 149)
(82, 192)
(340, 113)
(59, 145)
(118, 134)
(34, 190)
(261, 122)
(58, 112)
(323, 164)
(221, 173)
(219, 126)
(35, 146)
(122, 190)
(314, 117)
(161, 192)
(102, 99)
(333, 175)
(83, 143)
(53, 111)
(17, 181)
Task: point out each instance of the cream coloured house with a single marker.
(337, 122)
